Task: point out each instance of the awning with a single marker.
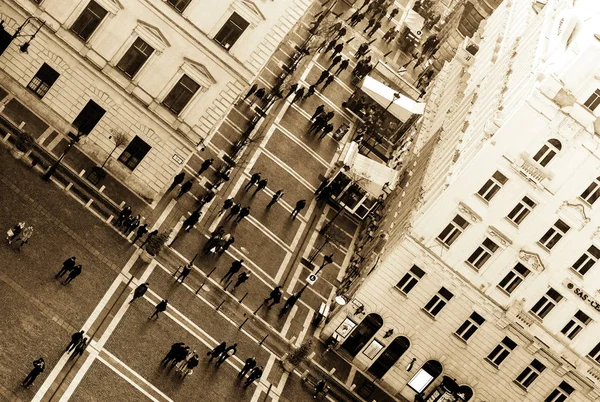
(414, 22)
(375, 174)
(402, 108)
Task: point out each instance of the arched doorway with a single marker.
(389, 357)
(465, 393)
(362, 334)
(425, 376)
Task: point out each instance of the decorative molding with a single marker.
(575, 212)
(199, 72)
(152, 35)
(532, 260)
(467, 210)
(502, 238)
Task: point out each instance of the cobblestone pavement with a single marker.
(122, 360)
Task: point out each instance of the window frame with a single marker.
(410, 279)
(518, 213)
(514, 278)
(578, 323)
(587, 261)
(592, 101)
(492, 186)
(560, 393)
(35, 87)
(98, 20)
(468, 328)
(547, 152)
(544, 302)
(181, 87)
(482, 254)
(229, 24)
(594, 353)
(501, 352)
(131, 47)
(553, 235)
(180, 11)
(452, 231)
(530, 374)
(126, 159)
(591, 193)
(438, 301)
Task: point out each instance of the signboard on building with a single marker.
(582, 294)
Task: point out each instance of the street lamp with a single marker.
(328, 259)
(74, 139)
(6, 39)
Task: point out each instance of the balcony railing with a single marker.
(531, 170)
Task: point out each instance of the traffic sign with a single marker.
(312, 278)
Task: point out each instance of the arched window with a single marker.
(548, 151)
(465, 393)
(425, 376)
(389, 357)
(362, 334)
(592, 192)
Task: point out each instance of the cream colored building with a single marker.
(489, 274)
(162, 71)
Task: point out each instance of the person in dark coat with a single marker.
(262, 184)
(251, 91)
(217, 351)
(319, 123)
(205, 165)
(68, 266)
(289, 303)
(235, 209)
(75, 339)
(243, 277)
(125, 213)
(253, 180)
(248, 365)
(140, 291)
(254, 375)
(150, 236)
(226, 245)
(228, 203)
(328, 82)
(343, 65)
(318, 111)
(38, 368)
(299, 207)
(334, 62)
(132, 225)
(330, 46)
(340, 34)
(320, 387)
(185, 187)
(244, 212)
(292, 89)
(393, 13)
(73, 274)
(177, 180)
(172, 353)
(260, 93)
(185, 271)
(191, 220)
(337, 50)
(141, 231)
(310, 92)
(274, 297)
(362, 49)
(326, 130)
(179, 356)
(227, 353)
(275, 198)
(324, 75)
(160, 308)
(298, 95)
(234, 269)
(79, 349)
(374, 29)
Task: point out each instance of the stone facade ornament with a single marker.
(573, 213)
(469, 212)
(531, 260)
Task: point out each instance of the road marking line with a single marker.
(305, 327)
(283, 267)
(288, 169)
(302, 144)
(164, 214)
(78, 376)
(256, 223)
(288, 321)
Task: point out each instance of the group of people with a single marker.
(219, 242)
(71, 269)
(126, 222)
(183, 358)
(222, 352)
(321, 122)
(77, 345)
(20, 232)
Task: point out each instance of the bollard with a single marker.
(243, 297)
(311, 356)
(87, 204)
(256, 311)
(82, 173)
(268, 392)
(102, 188)
(242, 324)
(213, 270)
(110, 219)
(219, 306)
(263, 340)
(293, 339)
(69, 186)
(201, 286)
(352, 387)
(332, 371)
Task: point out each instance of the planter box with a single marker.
(146, 257)
(287, 366)
(16, 153)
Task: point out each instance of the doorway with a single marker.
(362, 334)
(389, 357)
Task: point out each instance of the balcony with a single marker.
(524, 319)
(531, 170)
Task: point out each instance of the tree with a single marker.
(300, 354)
(119, 138)
(156, 243)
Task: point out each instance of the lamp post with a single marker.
(328, 259)
(5, 40)
(74, 139)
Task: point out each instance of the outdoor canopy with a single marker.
(375, 174)
(401, 108)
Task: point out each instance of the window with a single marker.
(521, 211)
(482, 254)
(181, 94)
(425, 376)
(554, 234)
(546, 303)
(135, 57)
(593, 101)
(410, 279)
(528, 376)
(231, 31)
(437, 302)
(577, 323)
(179, 5)
(43, 80)
(501, 352)
(89, 116)
(469, 327)
(595, 353)
(586, 261)
(453, 230)
(374, 348)
(514, 278)
(547, 152)
(592, 193)
(491, 187)
(88, 20)
(134, 153)
(561, 393)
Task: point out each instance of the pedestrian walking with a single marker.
(356, 18)
(179, 356)
(340, 33)
(362, 50)
(274, 297)
(191, 220)
(217, 351)
(251, 91)
(150, 236)
(321, 186)
(244, 212)
(318, 124)
(370, 23)
(140, 291)
(292, 89)
(38, 368)
(228, 203)
(228, 242)
(374, 29)
(298, 95)
(177, 180)
(13, 233)
(329, 115)
(132, 225)
(190, 365)
(74, 273)
(334, 62)
(185, 271)
(243, 277)
(249, 364)
(343, 66)
(183, 363)
(326, 130)
(324, 75)
(253, 180)
(328, 81)
(205, 165)
(234, 269)
(320, 387)
(330, 46)
(262, 184)
(310, 92)
(160, 308)
(235, 209)
(141, 231)
(337, 50)
(185, 187)
(254, 375)
(79, 349)
(275, 198)
(24, 236)
(172, 353)
(393, 13)
(260, 93)
(75, 339)
(318, 111)
(299, 207)
(289, 303)
(227, 353)
(68, 266)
